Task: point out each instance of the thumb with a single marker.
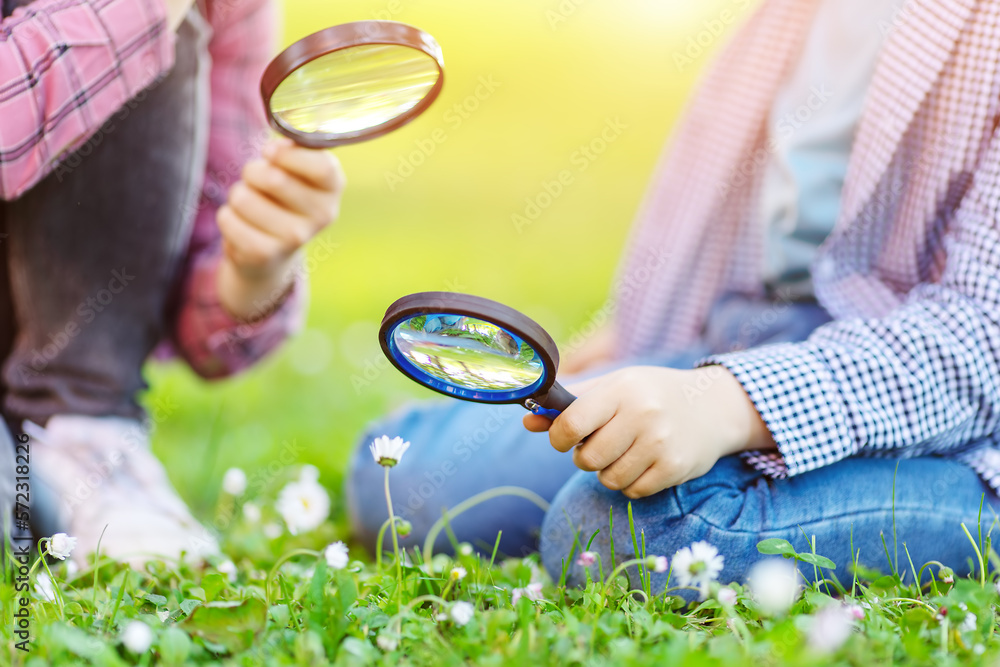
(536, 423)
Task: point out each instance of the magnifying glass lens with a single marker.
(475, 349)
(354, 89)
(468, 353)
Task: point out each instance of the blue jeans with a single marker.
(460, 449)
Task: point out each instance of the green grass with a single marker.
(285, 606)
(450, 226)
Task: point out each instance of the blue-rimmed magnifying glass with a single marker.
(475, 349)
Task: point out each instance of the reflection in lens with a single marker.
(354, 89)
(468, 353)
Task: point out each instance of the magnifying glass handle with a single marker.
(551, 404)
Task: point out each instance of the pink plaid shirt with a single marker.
(911, 273)
(66, 66)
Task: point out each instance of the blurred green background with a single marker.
(528, 83)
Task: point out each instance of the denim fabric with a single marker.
(89, 256)
(734, 507)
(460, 449)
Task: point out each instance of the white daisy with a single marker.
(774, 584)
(531, 591)
(388, 452)
(458, 573)
(252, 512)
(336, 555)
(830, 627)
(727, 596)
(234, 482)
(698, 565)
(462, 612)
(304, 505)
(658, 563)
(137, 637)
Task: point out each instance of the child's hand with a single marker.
(285, 198)
(650, 428)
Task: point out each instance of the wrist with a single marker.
(253, 294)
(744, 429)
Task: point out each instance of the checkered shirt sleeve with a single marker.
(924, 379)
(65, 67)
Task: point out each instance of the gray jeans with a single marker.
(90, 257)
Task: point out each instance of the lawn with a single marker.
(502, 189)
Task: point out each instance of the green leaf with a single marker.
(776, 545)
(187, 606)
(156, 600)
(347, 593)
(232, 625)
(885, 583)
(280, 614)
(815, 559)
(914, 618)
(75, 640)
(175, 646)
(213, 584)
(676, 620)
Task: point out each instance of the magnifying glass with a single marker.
(475, 349)
(352, 82)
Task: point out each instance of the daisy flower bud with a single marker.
(61, 546)
(336, 555)
(462, 612)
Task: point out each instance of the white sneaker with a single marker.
(108, 480)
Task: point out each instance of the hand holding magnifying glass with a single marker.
(342, 85)
(642, 429)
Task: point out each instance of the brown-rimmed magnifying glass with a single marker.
(475, 349)
(352, 82)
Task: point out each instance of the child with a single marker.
(135, 212)
(821, 240)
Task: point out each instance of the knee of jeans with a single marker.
(585, 512)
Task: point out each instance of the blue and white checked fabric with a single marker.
(911, 273)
